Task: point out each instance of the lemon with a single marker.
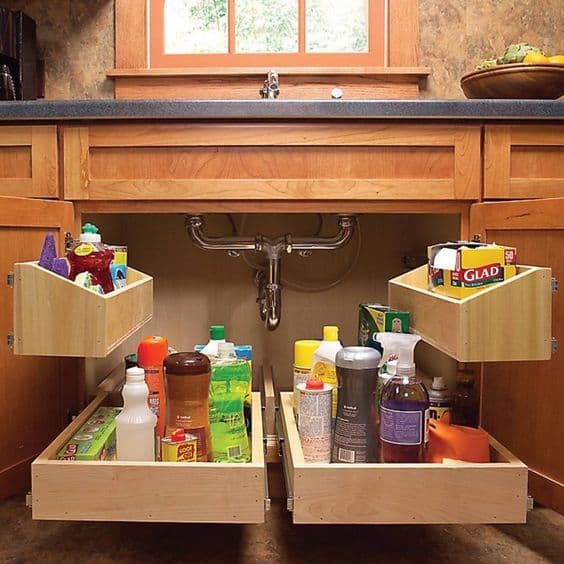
(535, 58)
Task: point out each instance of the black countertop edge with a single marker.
(281, 109)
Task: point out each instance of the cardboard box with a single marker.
(95, 440)
(464, 268)
(378, 318)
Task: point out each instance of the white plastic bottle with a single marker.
(217, 335)
(323, 363)
(135, 425)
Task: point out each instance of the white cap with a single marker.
(90, 238)
(438, 383)
(134, 375)
(225, 350)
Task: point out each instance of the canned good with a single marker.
(118, 266)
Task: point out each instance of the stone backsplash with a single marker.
(76, 39)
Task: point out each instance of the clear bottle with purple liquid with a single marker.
(404, 414)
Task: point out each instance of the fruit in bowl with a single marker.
(522, 72)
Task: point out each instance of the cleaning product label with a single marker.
(300, 377)
(438, 408)
(401, 427)
(315, 423)
(153, 378)
(84, 249)
(328, 375)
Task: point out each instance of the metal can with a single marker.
(315, 420)
(118, 266)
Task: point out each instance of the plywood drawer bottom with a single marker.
(149, 491)
(402, 493)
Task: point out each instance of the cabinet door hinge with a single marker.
(11, 277)
(28, 499)
(10, 339)
(554, 283)
(554, 345)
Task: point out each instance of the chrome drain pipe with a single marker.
(269, 286)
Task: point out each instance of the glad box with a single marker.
(462, 269)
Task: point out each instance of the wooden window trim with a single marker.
(131, 20)
(135, 79)
(373, 57)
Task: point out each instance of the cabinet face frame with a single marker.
(502, 147)
(37, 144)
(445, 157)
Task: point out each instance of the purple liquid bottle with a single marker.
(404, 414)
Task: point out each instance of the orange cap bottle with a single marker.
(151, 353)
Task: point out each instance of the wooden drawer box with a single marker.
(524, 161)
(510, 320)
(402, 493)
(272, 161)
(28, 161)
(149, 491)
(55, 317)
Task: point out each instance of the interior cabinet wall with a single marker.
(194, 289)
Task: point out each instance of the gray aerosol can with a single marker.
(357, 377)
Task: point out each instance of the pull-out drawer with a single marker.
(149, 491)
(401, 493)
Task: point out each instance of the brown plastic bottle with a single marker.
(187, 379)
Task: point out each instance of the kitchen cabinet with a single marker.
(354, 166)
(29, 161)
(37, 395)
(523, 161)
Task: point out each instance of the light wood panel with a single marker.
(351, 160)
(490, 325)
(131, 33)
(522, 402)
(149, 491)
(28, 161)
(55, 317)
(523, 161)
(36, 395)
(403, 34)
(404, 493)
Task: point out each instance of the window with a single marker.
(250, 33)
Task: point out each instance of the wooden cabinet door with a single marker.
(522, 402)
(523, 161)
(29, 161)
(36, 393)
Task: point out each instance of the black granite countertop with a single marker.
(281, 109)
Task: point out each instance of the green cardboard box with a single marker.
(378, 318)
(95, 440)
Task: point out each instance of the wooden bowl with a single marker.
(515, 81)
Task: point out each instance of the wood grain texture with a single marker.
(524, 161)
(163, 491)
(131, 34)
(403, 34)
(55, 317)
(296, 87)
(487, 326)
(352, 160)
(522, 401)
(36, 392)
(392, 493)
(28, 161)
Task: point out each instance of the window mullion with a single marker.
(301, 26)
(231, 26)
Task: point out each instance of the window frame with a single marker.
(375, 56)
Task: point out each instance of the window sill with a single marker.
(399, 72)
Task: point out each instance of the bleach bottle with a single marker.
(323, 362)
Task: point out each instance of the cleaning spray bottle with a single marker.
(404, 412)
(323, 363)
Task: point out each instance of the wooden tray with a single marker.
(200, 492)
(510, 320)
(401, 493)
(55, 317)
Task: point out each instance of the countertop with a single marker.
(281, 109)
